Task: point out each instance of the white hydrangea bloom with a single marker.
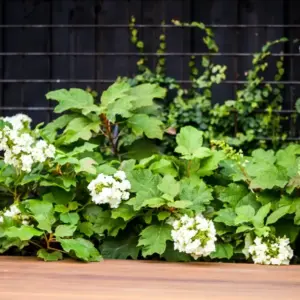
(21, 149)
(12, 211)
(194, 235)
(110, 189)
(271, 251)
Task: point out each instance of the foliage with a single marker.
(252, 119)
(128, 177)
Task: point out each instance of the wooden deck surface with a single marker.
(139, 280)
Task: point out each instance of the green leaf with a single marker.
(79, 128)
(172, 255)
(73, 205)
(233, 193)
(145, 93)
(102, 221)
(244, 214)
(7, 243)
(297, 217)
(77, 99)
(28, 178)
(142, 148)
(169, 186)
(258, 219)
(49, 256)
(86, 228)
(58, 196)
(222, 251)
(263, 156)
(70, 218)
(38, 207)
(43, 213)
(163, 167)
(148, 217)
(162, 215)
(122, 107)
(61, 208)
(226, 216)
(116, 91)
(287, 228)
(83, 249)
(64, 230)
(154, 202)
(150, 126)
(144, 181)
(196, 192)
(298, 106)
(189, 141)
(268, 179)
(49, 132)
(248, 243)
(243, 228)
(86, 147)
(86, 165)
(122, 247)
(209, 164)
(277, 214)
(153, 239)
(181, 204)
(250, 199)
(45, 222)
(24, 233)
(124, 211)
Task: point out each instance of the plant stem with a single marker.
(109, 134)
(189, 168)
(34, 243)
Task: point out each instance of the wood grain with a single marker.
(23, 278)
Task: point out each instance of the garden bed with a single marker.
(120, 279)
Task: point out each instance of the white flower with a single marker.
(27, 162)
(271, 251)
(194, 235)
(110, 189)
(1, 219)
(12, 211)
(21, 149)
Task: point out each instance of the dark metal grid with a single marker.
(134, 54)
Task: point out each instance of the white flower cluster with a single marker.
(195, 236)
(276, 251)
(21, 149)
(110, 189)
(13, 212)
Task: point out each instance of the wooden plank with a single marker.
(27, 67)
(212, 12)
(60, 42)
(292, 63)
(82, 40)
(178, 39)
(252, 39)
(111, 40)
(136, 280)
(14, 42)
(152, 13)
(1, 58)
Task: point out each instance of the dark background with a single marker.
(62, 53)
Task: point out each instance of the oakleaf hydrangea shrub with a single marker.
(98, 185)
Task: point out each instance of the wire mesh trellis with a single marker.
(64, 58)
